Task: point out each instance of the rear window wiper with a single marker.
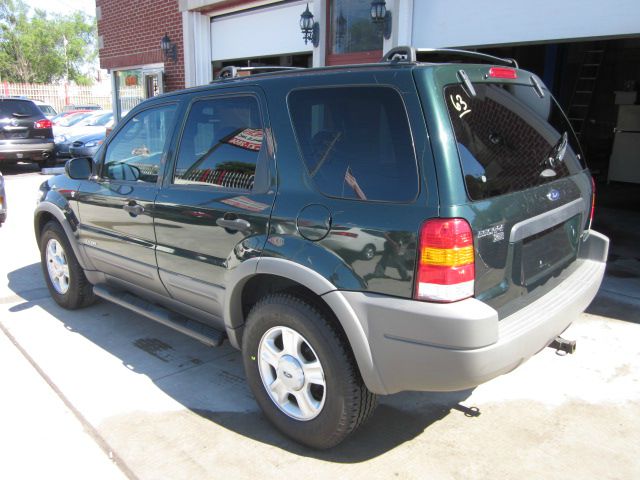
(555, 156)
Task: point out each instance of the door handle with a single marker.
(237, 224)
(132, 208)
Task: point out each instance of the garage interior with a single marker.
(597, 84)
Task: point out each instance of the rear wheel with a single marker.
(302, 372)
(368, 252)
(48, 161)
(62, 272)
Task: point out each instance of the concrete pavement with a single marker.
(168, 407)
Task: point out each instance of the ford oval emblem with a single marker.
(553, 195)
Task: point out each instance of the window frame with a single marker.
(265, 154)
(416, 161)
(121, 126)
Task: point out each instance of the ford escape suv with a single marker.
(237, 210)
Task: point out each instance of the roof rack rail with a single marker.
(443, 55)
(232, 71)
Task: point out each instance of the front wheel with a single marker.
(62, 272)
(302, 372)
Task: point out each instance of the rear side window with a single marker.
(356, 142)
(221, 143)
(509, 139)
(19, 108)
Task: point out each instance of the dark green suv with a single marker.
(422, 223)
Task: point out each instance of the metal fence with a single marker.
(59, 95)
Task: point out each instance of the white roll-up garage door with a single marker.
(259, 33)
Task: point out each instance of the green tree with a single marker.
(44, 48)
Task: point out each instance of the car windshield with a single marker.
(74, 119)
(46, 109)
(101, 120)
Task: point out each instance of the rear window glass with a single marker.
(19, 108)
(356, 142)
(509, 139)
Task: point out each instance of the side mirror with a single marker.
(79, 168)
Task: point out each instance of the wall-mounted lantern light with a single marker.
(310, 29)
(381, 17)
(169, 49)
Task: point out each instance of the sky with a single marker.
(64, 6)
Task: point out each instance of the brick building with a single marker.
(129, 37)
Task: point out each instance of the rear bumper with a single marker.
(447, 347)
(20, 151)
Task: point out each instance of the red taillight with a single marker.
(46, 123)
(502, 72)
(593, 201)
(345, 234)
(446, 268)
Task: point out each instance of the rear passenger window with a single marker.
(221, 143)
(356, 142)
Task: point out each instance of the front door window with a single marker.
(135, 154)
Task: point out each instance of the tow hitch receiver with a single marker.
(563, 346)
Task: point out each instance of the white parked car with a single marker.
(356, 240)
(47, 109)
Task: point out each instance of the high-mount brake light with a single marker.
(46, 123)
(502, 72)
(446, 267)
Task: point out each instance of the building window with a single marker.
(351, 30)
(134, 85)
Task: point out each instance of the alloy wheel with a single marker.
(291, 373)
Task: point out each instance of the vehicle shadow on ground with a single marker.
(398, 419)
(211, 383)
(19, 168)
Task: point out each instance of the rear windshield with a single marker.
(19, 108)
(510, 139)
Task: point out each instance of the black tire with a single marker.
(347, 401)
(79, 293)
(368, 252)
(50, 161)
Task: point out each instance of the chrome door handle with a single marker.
(133, 208)
(237, 224)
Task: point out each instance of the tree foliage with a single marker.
(40, 47)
